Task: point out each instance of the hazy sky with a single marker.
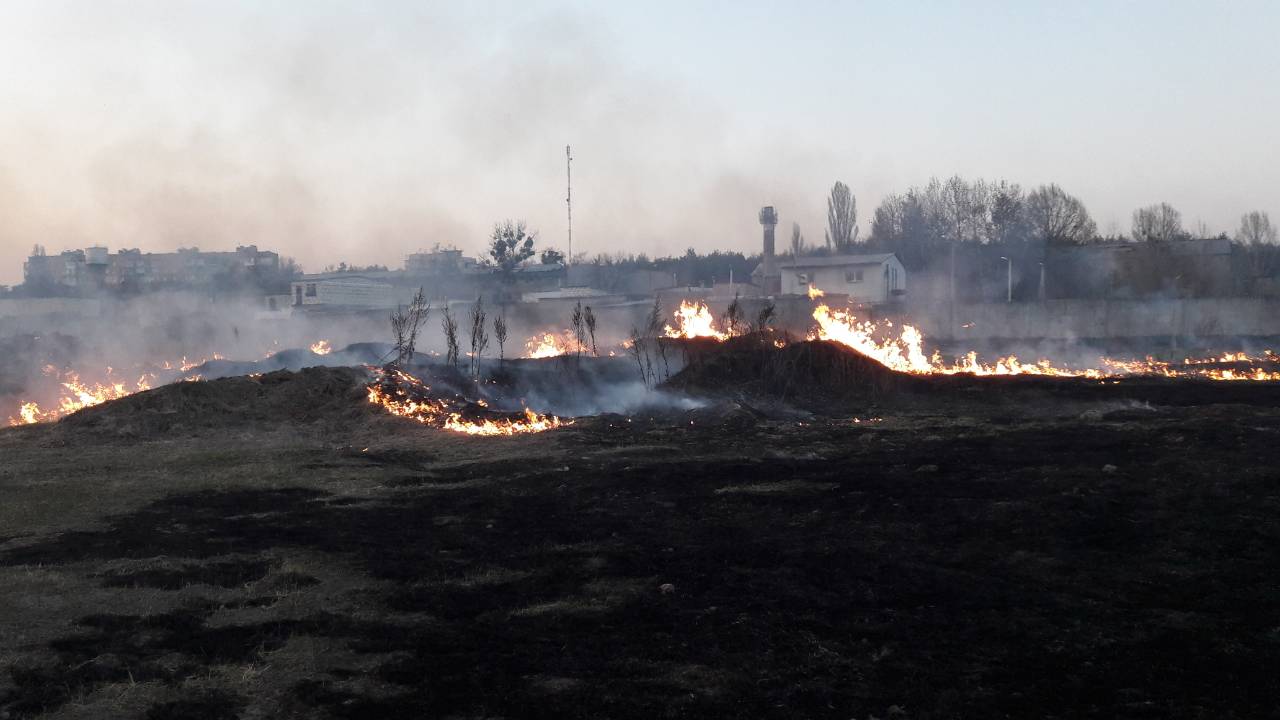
(361, 131)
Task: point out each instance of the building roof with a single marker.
(836, 261)
(568, 293)
(370, 275)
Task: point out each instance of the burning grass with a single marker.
(549, 344)
(694, 320)
(404, 395)
(69, 392)
(903, 351)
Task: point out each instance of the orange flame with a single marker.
(435, 412)
(905, 353)
(546, 345)
(815, 292)
(694, 320)
(77, 395)
(321, 347)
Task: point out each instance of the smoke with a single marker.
(357, 135)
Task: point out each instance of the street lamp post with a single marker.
(1008, 296)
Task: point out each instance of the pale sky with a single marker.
(362, 131)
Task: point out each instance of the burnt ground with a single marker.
(1015, 550)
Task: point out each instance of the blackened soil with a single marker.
(225, 573)
(1123, 566)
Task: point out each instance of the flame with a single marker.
(77, 395)
(815, 292)
(395, 392)
(321, 347)
(905, 353)
(546, 345)
(694, 320)
(1195, 367)
(184, 364)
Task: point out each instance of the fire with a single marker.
(905, 353)
(1196, 367)
(77, 395)
(694, 320)
(404, 395)
(321, 347)
(815, 292)
(184, 364)
(546, 345)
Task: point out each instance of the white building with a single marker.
(357, 290)
(864, 278)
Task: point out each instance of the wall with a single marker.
(1069, 320)
(352, 292)
(34, 307)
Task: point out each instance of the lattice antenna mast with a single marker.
(568, 200)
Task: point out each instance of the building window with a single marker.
(802, 278)
(853, 276)
(311, 289)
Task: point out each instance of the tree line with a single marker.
(922, 223)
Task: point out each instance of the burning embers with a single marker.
(400, 393)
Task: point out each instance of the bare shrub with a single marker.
(479, 335)
(590, 318)
(405, 324)
(579, 332)
(733, 317)
(450, 327)
(500, 334)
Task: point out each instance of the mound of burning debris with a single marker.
(404, 395)
(754, 363)
(317, 393)
(332, 394)
(821, 372)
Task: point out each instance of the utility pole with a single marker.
(568, 201)
(1008, 297)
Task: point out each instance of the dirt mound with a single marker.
(798, 369)
(277, 397)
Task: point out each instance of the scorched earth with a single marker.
(865, 544)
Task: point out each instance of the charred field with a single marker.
(815, 536)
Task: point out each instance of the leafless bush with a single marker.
(405, 324)
(764, 318)
(643, 343)
(635, 346)
(579, 331)
(450, 327)
(500, 334)
(590, 318)
(733, 317)
(479, 335)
